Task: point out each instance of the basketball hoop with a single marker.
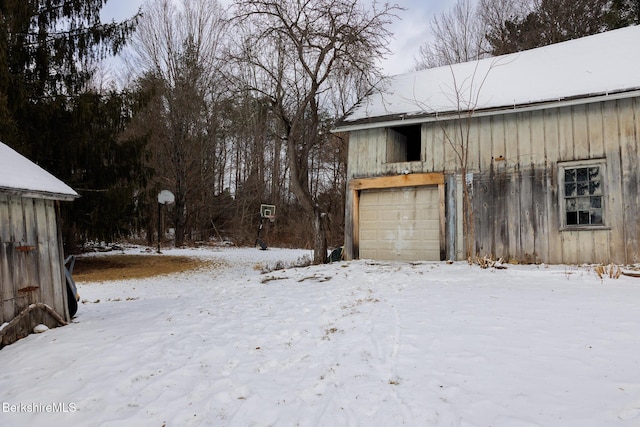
(268, 212)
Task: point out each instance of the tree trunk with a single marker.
(320, 237)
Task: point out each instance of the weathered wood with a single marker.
(24, 313)
(515, 168)
(397, 181)
(442, 217)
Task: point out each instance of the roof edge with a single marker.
(21, 192)
(409, 118)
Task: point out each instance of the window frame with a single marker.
(562, 197)
(409, 148)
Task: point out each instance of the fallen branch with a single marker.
(488, 262)
(631, 273)
(37, 306)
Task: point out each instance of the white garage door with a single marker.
(400, 224)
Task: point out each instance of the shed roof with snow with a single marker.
(604, 64)
(20, 175)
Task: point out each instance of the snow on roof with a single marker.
(596, 65)
(20, 175)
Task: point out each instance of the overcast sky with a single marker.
(410, 31)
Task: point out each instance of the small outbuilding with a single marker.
(531, 157)
(32, 280)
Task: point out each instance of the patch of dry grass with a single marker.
(121, 267)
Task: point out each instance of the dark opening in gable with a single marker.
(404, 143)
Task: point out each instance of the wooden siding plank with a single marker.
(5, 223)
(16, 220)
(580, 132)
(428, 147)
(527, 216)
(552, 155)
(614, 202)
(439, 142)
(31, 260)
(565, 133)
(56, 260)
(595, 123)
(629, 173)
(45, 272)
(485, 151)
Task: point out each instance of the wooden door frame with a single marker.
(397, 181)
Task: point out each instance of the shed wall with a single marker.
(514, 160)
(30, 263)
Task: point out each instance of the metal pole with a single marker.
(159, 224)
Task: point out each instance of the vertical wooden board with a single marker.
(511, 140)
(361, 151)
(635, 117)
(551, 135)
(7, 313)
(527, 216)
(359, 145)
(525, 149)
(586, 246)
(428, 139)
(380, 154)
(450, 216)
(540, 213)
(595, 123)
(580, 131)
(500, 201)
(55, 259)
(614, 203)
(485, 153)
(439, 142)
(352, 155)
(554, 235)
(629, 169)
(43, 259)
(32, 256)
(460, 241)
(5, 223)
(16, 219)
(538, 145)
(482, 214)
(601, 247)
(348, 224)
(442, 218)
(498, 137)
(565, 134)
(7, 288)
(470, 127)
(447, 152)
(570, 247)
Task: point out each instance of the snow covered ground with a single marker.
(348, 344)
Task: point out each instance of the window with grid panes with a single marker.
(583, 195)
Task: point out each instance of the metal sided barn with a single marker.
(531, 157)
(32, 281)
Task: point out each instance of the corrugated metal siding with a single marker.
(30, 262)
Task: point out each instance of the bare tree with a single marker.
(177, 46)
(458, 36)
(296, 50)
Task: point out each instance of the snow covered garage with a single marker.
(32, 280)
(530, 157)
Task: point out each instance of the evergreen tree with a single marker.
(49, 113)
(554, 21)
